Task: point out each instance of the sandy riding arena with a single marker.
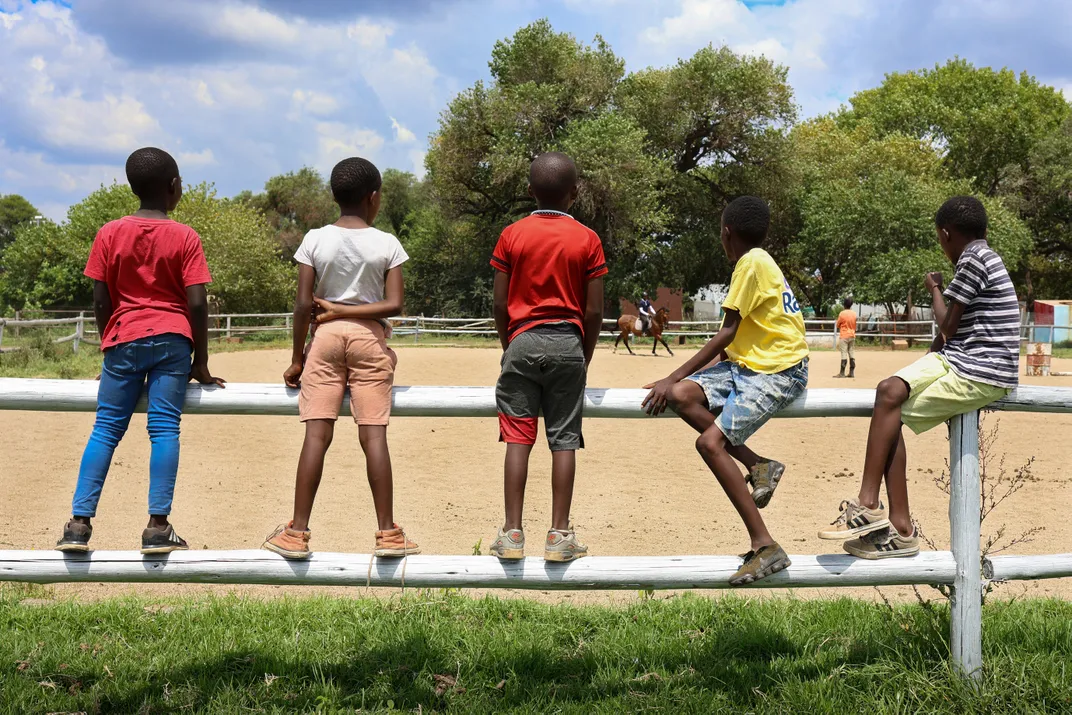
(641, 489)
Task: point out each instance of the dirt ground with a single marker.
(641, 488)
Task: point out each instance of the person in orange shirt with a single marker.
(846, 328)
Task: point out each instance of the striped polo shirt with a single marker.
(986, 347)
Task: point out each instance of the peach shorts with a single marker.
(350, 353)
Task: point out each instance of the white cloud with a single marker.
(401, 133)
(203, 95)
(205, 157)
(315, 103)
(369, 35)
(337, 141)
(251, 25)
(28, 173)
(417, 157)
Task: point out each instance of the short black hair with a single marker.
(748, 217)
(353, 180)
(150, 172)
(552, 176)
(847, 303)
(965, 215)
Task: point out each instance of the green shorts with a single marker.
(937, 394)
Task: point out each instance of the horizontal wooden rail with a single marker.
(272, 399)
(334, 569)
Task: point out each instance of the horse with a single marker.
(627, 327)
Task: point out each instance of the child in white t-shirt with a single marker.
(358, 285)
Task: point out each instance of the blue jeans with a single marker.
(164, 362)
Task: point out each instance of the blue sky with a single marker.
(240, 90)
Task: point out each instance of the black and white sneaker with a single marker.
(75, 537)
(155, 540)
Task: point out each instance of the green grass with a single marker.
(680, 654)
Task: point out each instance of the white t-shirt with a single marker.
(351, 264)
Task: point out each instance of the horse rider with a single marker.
(647, 312)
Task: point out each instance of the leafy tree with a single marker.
(294, 203)
(984, 122)
(14, 210)
(659, 152)
(400, 196)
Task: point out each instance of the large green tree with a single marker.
(14, 210)
(659, 152)
(293, 203)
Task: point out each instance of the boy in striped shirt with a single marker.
(974, 361)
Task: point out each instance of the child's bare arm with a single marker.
(197, 301)
(102, 306)
(947, 318)
(593, 317)
(655, 402)
(502, 313)
(303, 315)
(390, 306)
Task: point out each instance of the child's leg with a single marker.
(515, 476)
(167, 394)
(688, 401)
(897, 488)
(378, 466)
(712, 447)
(563, 472)
(120, 387)
(883, 439)
(318, 435)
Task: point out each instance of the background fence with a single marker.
(962, 568)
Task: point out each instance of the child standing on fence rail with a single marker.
(846, 329)
(151, 309)
(357, 272)
(764, 367)
(975, 360)
(549, 272)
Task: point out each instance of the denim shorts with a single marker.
(744, 400)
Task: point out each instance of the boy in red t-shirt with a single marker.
(548, 312)
(151, 308)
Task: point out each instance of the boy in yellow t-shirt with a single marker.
(763, 367)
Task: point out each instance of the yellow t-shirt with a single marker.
(770, 337)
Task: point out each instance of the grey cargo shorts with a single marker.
(543, 370)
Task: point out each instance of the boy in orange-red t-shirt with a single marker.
(846, 329)
(548, 313)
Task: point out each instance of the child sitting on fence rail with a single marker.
(357, 272)
(974, 361)
(763, 368)
(548, 313)
(151, 309)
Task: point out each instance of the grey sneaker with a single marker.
(75, 537)
(155, 540)
(760, 564)
(563, 546)
(884, 544)
(509, 544)
(764, 478)
(855, 520)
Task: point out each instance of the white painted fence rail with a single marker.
(962, 568)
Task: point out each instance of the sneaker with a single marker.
(764, 478)
(155, 540)
(75, 537)
(760, 564)
(392, 543)
(509, 544)
(289, 543)
(884, 544)
(855, 520)
(563, 546)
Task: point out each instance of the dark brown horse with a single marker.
(627, 326)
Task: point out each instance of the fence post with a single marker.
(287, 322)
(79, 330)
(3, 322)
(966, 616)
(228, 333)
(18, 317)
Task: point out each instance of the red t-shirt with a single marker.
(147, 264)
(550, 257)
